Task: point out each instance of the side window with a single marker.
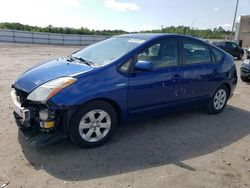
(195, 53)
(125, 66)
(217, 54)
(162, 54)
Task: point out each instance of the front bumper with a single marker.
(28, 131)
(28, 118)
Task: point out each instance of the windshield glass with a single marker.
(103, 53)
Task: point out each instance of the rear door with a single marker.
(154, 89)
(195, 75)
(214, 74)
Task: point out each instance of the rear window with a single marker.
(218, 55)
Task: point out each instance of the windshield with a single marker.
(103, 53)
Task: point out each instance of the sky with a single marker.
(128, 15)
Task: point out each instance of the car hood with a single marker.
(42, 73)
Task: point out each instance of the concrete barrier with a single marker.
(7, 35)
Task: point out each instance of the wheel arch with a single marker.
(113, 103)
(228, 86)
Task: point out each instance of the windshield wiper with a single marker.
(87, 62)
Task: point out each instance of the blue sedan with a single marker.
(86, 95)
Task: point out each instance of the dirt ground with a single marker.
(190, 149)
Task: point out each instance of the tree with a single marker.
(216, 33)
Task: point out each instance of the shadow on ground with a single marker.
(143, 144)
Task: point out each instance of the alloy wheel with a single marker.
(95, 125)
(220, 99)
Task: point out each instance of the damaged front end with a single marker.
(34, 118)
(33, 110)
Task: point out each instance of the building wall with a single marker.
(237, 31)
(244, 33)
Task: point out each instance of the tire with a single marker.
(93, 124)
(219, 100)
(244, 79)
(239, 57)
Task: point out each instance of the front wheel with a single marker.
(219, 100)
(93, 124)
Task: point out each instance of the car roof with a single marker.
(150, 36)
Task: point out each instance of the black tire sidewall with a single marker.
(211, 108)
(74, 128)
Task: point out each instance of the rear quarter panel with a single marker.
(228, 74)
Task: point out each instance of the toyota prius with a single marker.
(86, 95)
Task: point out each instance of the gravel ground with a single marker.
(190, 149)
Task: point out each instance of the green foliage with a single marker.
(64, 30)
(216, 33)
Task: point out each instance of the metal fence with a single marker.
(48, 38)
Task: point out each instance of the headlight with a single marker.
(246, 61)
(49, 89)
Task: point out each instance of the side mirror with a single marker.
(144, 65)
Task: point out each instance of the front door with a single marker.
(159, 87)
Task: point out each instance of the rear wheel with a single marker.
(93, 124)
(219, 100)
